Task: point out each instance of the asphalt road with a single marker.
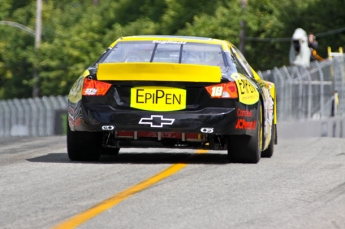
(301, 186)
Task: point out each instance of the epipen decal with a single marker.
(248, 94)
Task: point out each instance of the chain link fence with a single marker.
(32, 117)
(316, 92)
(302, 94)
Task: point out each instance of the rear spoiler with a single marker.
(158, 72)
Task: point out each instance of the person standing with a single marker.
(313, 45)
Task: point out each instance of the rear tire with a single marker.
(244, 148)
(84, 146)
(269, 151)
(111, 151)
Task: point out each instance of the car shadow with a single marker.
(141, 158)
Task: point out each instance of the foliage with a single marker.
(320, 17)
(76, 32)
(224, 23)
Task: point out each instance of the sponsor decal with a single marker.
(108, 127)
(158, 99)
(246, 125)
(156, 121)
(170, 42)
(247, 92)
(244, 113)
(207, 130)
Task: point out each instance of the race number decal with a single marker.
(247, 92)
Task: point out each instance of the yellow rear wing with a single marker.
(159, 72)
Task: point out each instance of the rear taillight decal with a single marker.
(223, 90)
(94, 87)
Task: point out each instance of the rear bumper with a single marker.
(211, 120)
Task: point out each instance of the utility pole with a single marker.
(244, 4)
(38, 34)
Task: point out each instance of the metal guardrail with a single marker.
(302, 94)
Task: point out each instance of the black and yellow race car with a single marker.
(171, 92)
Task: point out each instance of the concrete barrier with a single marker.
(331, 127)
(60, 122)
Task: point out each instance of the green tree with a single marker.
(76, 32)
(262, 21)
(224, 23)
(318, 17)
(16, 47)
(179, 13)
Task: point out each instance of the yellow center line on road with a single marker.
(112, 201)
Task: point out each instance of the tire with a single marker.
(110, 151)
(270, 149)
(84, 146)
(244, 148)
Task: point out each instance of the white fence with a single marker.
(302, 94)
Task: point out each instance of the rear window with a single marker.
(165, 51)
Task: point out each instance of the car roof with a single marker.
(206, 40)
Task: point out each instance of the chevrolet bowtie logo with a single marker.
(157, 121)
